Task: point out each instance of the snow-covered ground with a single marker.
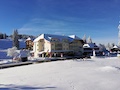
(91, 74)
(4, 45)
(7, 43)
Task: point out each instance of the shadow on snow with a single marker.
(80, 60)
(16, 87)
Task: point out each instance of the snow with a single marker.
(28, 39)
(116, 46)
(75, 37)
(91, 74)
(3, 55)
(5, 44)
(90, 45)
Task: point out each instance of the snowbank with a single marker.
(5, 44)
(3, 55)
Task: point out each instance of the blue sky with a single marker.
(98, 19)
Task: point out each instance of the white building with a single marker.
(56, 45)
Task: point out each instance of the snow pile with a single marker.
(5, 44)
(3, 55)
(7, 61)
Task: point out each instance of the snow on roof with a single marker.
(90, 45)
(38, 38)
(28, 39)
(74, 37)
(116, 46)
(48, 37)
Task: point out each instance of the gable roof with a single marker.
(48, 37)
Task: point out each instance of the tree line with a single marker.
(15, 37)
(3, 36)
(20, 36)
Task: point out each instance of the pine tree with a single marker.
(11, 51)
(84, 39)
(1, 36)
(102, 47)
(108, 47)
(15, 39)
(4, 36)
(89, 40)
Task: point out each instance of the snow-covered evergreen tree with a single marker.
(11, 51)
(4, 36)
(108, 47)
(102, 47)
(84, 39)
(89, 40)
(15, 39)
(113, 44)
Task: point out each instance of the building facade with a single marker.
(29, 44)
(89, 48)
(57, 45)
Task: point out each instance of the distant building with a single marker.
(115, 48)
(57, 45)
(89, 48)
(29, 43)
